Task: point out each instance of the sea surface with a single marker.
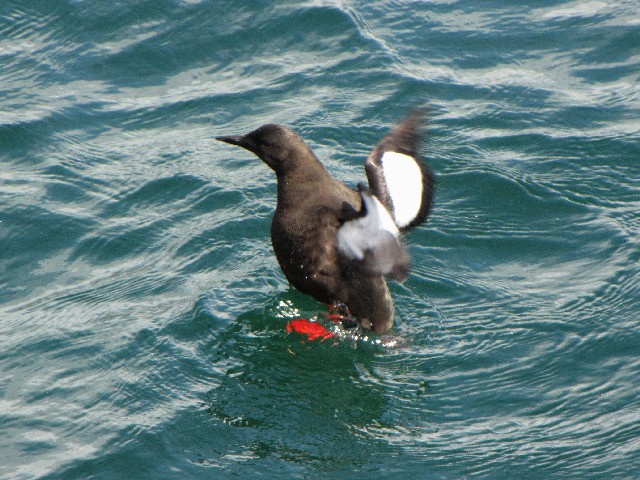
(143, 313)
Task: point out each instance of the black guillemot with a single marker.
(335, 243)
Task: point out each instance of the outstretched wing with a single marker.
(398, 177)
(370, 238)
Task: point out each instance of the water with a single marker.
(142, 312)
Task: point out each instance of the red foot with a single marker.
(313, 330)
(338, 312)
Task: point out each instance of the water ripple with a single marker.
(143, 311)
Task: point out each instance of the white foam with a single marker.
(404, 181)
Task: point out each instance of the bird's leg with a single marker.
(339, 312)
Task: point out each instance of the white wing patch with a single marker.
(404, 181)
(357, 236)
(373, 240)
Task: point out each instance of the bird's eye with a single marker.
(266, 144)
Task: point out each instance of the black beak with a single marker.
(243, 141)
(233, 140)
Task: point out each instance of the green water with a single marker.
(142, 312)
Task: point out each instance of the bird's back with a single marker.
(303, 233)
(304, 238)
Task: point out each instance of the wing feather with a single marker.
(397, 175)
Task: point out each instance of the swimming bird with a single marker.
(336, 243)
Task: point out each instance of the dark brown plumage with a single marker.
(310, 210)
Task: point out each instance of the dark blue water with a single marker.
(142, 312)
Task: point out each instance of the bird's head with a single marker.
(278, 146)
